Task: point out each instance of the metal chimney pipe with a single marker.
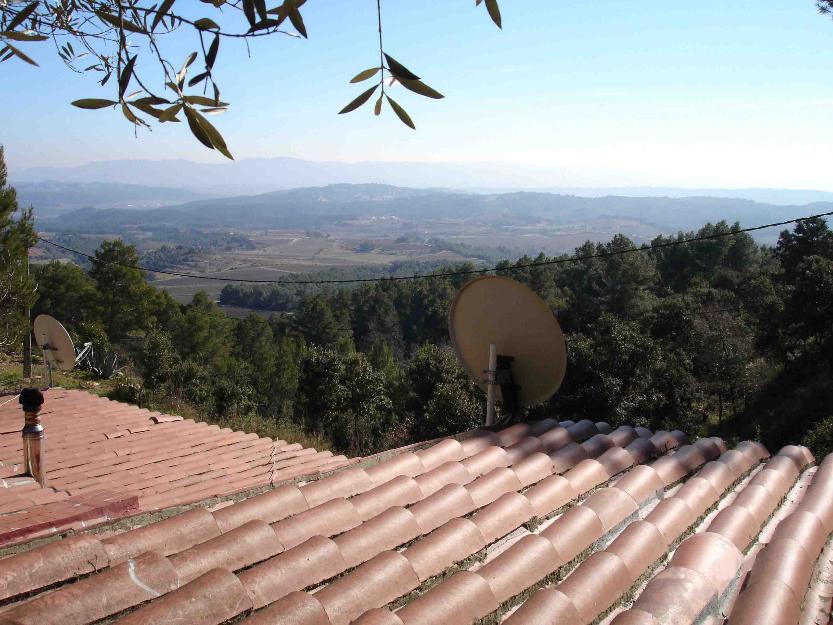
(34, 452)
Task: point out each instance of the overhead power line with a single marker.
(449, 274)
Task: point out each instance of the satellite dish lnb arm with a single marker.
(508, 388)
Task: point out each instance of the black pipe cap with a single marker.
(31, 399)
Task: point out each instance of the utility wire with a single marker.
(448, 274)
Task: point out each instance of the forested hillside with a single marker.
(720, 336)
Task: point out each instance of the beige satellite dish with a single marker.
(508, 341)
(53, 339)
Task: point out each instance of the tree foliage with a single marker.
(17, 235)
(127, 45)
(712, 337)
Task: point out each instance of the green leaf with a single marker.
(93, 103)
(417, 86)
(122, 23)
(203, 101)
(260, 5)
(131, 117)
(197, 79)
(378, 108)
(212, 52)
(18, 36)
(152, 99)
(494, 12)
(126, 74)
(163, 10)
(205, 23)
(368, 73)
(264, 24)
(147, 108)
(297, 21)
(24, 13)
(214, 137)
(19, 54)
(249, 11)
(400, 112)
(364, 97)
(399, 70)
(170, 113)
(189, 59)
(197, 130)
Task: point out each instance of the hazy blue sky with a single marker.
(713, 92)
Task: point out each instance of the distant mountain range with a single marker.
(437, 212)
(87, 184)
(51, 197)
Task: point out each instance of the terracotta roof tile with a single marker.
(675, 596)
(159, 460)
(299, 608)
(388, 530)
(378, 616)
(271, 506)
(450, 501)
(639, 545)
(400, 491)
(464, 597)
(168, 536)
(771, 603)
(243, 546)
(526, 562)
(486, 459)
(523, 448)
(698, 494)
(343, 484)
(445, 451)
(309, 563)
(616, 460)
(450, 543)
(573, 531)
(587, 474)
(641, 482)
(378, 581)
(548, 607)
(338, 550)
(612, 506)
(406, 463)
(511, 510)
(330, 518)
(550, 494)
(487, 488)
(132, 582)
(589, 597)
(451, 472)
(212, 598)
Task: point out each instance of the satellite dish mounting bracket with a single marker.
(508, 388)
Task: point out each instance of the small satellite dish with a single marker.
(53, 339)
(508, 341)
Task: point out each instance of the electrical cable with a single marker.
(449, 274)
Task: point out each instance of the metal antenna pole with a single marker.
(27, 340)
(490, 384)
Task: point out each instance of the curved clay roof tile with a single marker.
(454, 541)
(446, 450)
(487, 488)
(311, 562)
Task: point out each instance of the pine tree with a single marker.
(17, 290)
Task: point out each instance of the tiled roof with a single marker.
(540, 523)
(106, 459)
